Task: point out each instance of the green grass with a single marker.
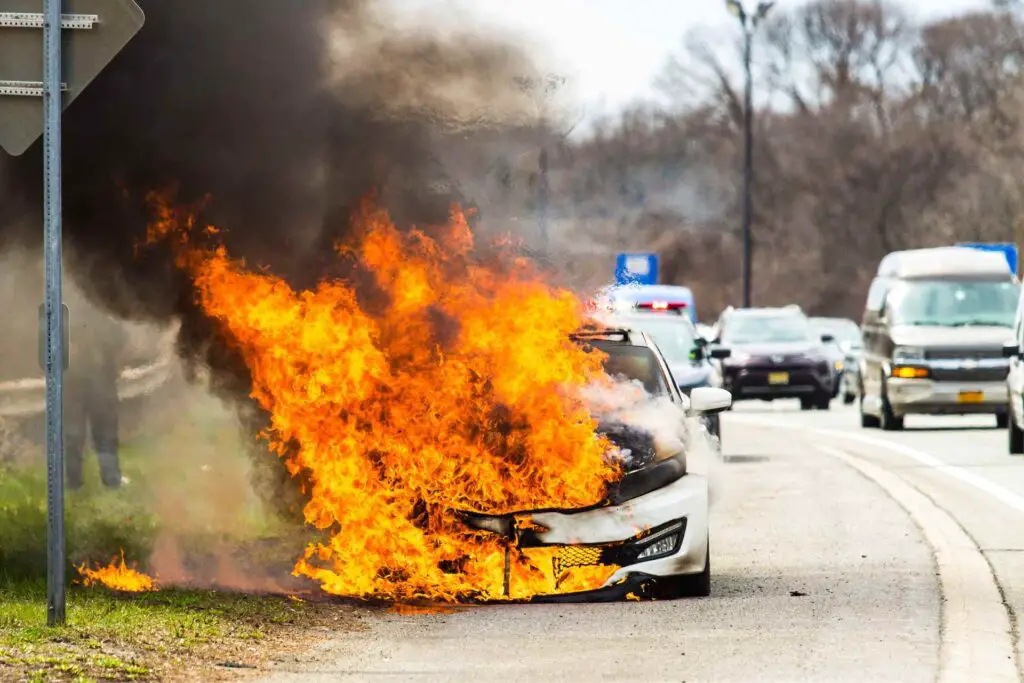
(116, 637)
(189, 475)
(189, 482)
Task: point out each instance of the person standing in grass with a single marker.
(90, 395)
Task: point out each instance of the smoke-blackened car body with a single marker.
(651, 530)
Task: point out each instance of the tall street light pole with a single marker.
(749, 22)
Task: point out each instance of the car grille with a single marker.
(969, 374)
(772, 361)
(576, 556)
(964, 354)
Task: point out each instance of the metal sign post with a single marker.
(52, 107)
(98, 30)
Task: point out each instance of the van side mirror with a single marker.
(720, 352)
(1011, 350)
(827, 338)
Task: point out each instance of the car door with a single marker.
(1015, 378)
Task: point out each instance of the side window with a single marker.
(876, 295)
(1018, 324)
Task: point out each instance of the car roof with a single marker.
(639, 318)
(766, 312)
(833, 321)
(939, 262)
(650, 292)
(623, 334)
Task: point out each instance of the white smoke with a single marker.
(673, 430)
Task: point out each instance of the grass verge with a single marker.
(190, 516)
(165, 635)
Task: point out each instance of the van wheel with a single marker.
(867, 421)
(890, 421)
(1016, 440)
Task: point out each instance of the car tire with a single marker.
(848, 399)
(1002, 420)
(867, 421)
(686, 585)
(808, 404)
(1016, 438)
(890, 422)
(824, 402)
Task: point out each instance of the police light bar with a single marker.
(662, 305)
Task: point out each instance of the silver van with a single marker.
(934, 327)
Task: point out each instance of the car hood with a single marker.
(967, 337)
(689, 374)
(776, 348)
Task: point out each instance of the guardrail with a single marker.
(23, 398)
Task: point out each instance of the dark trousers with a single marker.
(90, 405)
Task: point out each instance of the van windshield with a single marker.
(954, 304)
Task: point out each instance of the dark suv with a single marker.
(775, 354)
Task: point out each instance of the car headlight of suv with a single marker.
(737, 358)
(907, 354)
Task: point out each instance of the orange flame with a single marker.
(453, 388)
(117, 576)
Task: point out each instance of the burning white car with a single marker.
(651, 530)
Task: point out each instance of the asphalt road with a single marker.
(839, 554)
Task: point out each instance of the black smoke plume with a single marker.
(286, 114)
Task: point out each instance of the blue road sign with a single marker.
(1008, 250)
(639, 269)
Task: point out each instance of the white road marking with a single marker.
(977, 642)
(1001, 494)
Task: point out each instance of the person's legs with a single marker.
(103, 422)
(75, 425)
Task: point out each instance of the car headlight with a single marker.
(907, 354)
(838, 365)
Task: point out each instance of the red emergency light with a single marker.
(662, 305)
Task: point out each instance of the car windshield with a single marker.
(845, 331)
(954, 304)
(755, 329)
(633, 363)
(675, 337)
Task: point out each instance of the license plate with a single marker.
(971, 396)
(778, 378)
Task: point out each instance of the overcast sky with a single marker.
(615, 48)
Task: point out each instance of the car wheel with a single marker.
(824, 402)
(807, 404)
(1016, 440)
(867, 421)
(1002, 420)
(686, 585)
(890, 422)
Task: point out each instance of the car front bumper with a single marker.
(616, 536)
(684, 500)
(756, 382)
(927, 396)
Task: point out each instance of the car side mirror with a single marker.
(709, 400)
(1011, 350)
(720, 352)
(827, 338)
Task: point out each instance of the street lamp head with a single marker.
(735, 8)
